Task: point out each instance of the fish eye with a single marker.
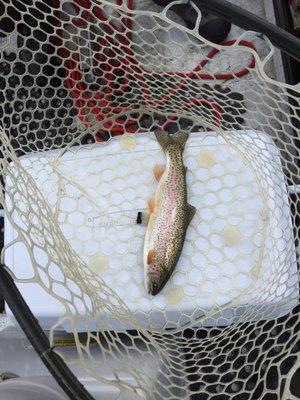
(154, 286)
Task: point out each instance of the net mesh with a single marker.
(83, 86)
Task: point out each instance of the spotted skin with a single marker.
(170, 217)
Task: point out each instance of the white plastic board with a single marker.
(239, 251)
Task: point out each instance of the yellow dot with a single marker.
(98, 263)
(128, 142)
(206, 159)
(174, 295)
(231, 235)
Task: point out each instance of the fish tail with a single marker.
(180, 138)
(165, 140)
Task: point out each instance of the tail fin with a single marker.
(165, 140)
(180, 138)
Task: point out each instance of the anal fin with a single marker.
(151, 205)
(158, 171)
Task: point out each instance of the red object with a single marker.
(101, 105)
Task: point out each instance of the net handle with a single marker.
(36, 336)
(280, 38)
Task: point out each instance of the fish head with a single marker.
(153, 280)
(155, 277)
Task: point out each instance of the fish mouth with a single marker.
(163, 282)
(153, 288)
(156, 283)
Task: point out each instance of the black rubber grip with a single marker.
(35, 334)
(280, 38)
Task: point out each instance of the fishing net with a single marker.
(84, 84)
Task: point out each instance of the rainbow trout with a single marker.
(169, 214)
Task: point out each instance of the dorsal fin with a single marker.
(191, 212)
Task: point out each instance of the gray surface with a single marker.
(37, 388)
(255, 6)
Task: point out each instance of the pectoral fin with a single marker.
(190, 214)
(158, 171)
(151, 256)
